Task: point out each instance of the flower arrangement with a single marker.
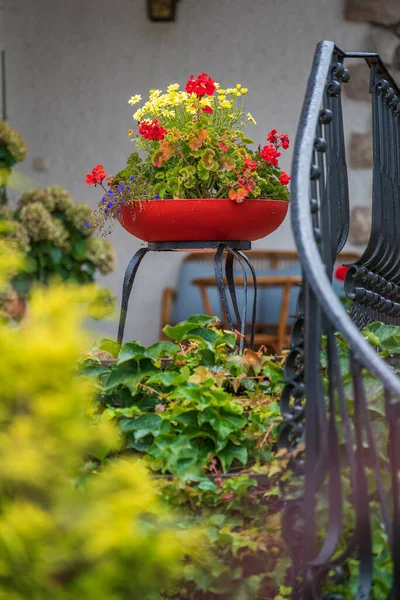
(49, 228)
(193, 146)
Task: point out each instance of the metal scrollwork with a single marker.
(329, 444)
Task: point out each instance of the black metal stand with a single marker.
(234, 250)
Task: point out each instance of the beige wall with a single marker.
(73, 64)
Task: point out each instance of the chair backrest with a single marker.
(189, 300)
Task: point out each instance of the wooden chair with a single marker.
(274, 335)
(279, 334)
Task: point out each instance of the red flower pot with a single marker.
(214, 219)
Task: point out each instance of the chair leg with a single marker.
(129, 278)
(254, 311)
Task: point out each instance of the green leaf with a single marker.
(166, 378)
(230, 453)
(30, 264)
(202, 172)
(142, 426)
(228, 339)
(162, 349)
(177, 332)
(129, 351)
(222, 421)
(55, 255)
(208, 336)
(201, 320)
(93, 370)
(386, 337)
(130, 375)
(79, 249)
(188, 418)
(108, 346)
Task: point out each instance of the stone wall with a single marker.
(383, 37)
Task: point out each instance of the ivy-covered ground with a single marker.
(205, 419)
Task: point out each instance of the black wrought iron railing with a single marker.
(345, 486)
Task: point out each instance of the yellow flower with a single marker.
(155, 93)
(226, 104)
(221, 98)
(251, 118)
(244, 91)
(173, 87)
(238, 86)
(231, 116)
(139, 114)
(206, 101)
(130, 132)
(135, 99)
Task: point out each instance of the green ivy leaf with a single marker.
(162, 349)
(109, 346)
(177, 332)
(130, 375)
(93, 370)
(130, 351)
(386, 337)
(228, 339)
(230, 453)
(142, 426)
(200, 334)
(222, 421)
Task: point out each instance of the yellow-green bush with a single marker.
(108, 538)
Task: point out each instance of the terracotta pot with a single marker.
(201, 219)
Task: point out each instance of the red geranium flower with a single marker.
(284, 178)
(272, 137)
(285, 141)
(270, 154)
(278, 140)
(96, 176)
(222, 146)
(208, 110)
(341, 272)
(250, 164)
(152, 130)
(203, 85)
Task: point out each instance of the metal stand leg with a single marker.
(254, 311)
(241, 319)
(129, 278)
(231, 284)
(219, 277)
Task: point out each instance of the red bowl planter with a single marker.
(214, 219)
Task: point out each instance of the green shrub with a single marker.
(105, 537)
